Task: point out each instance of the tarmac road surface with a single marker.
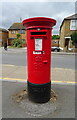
(58, 61)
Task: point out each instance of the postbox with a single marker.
(39, 57)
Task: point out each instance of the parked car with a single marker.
(61, 49)
(56, 49)
(70, 49)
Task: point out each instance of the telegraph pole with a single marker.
(20, 28)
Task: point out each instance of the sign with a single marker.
(38, 44)
(34, 52)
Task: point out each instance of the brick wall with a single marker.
(23, 36)
(55, 43)
(65, 32)
(62, 32)
(3, 37)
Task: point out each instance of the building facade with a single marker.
(68, 26)
(14, 30)
(3, 36)
(55, 43)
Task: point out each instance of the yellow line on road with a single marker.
(8, 65)
(64, 82)
(17, 79)
(13, 79)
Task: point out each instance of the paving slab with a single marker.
(11, 71)
(20, 72)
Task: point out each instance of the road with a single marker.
(58, 61)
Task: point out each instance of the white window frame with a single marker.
(73, 25)
(13, 31)
(21, 31)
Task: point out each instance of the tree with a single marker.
(55, 37)
(18, 36)
(74, 39)
(17, 42)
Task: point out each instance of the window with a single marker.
(73, 25)
(21, 31)
(55, 42)
(13, 31)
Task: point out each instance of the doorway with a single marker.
(67, 43)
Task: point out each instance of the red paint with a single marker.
(39, 64)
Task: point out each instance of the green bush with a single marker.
(17, 43)
(74, 39)
(55, 37)
(19, 46)
(23, 42)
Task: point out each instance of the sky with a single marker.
(13, 11)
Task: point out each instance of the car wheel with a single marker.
(58, 50)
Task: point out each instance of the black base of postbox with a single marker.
(39, 93)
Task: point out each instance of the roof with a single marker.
(3, 30)
(72, 17)
(17, 26)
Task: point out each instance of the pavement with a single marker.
(19, 74)
(64, 107)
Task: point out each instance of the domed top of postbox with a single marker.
(39, 22)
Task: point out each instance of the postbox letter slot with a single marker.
(38, 33)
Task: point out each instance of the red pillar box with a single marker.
(39, 57)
